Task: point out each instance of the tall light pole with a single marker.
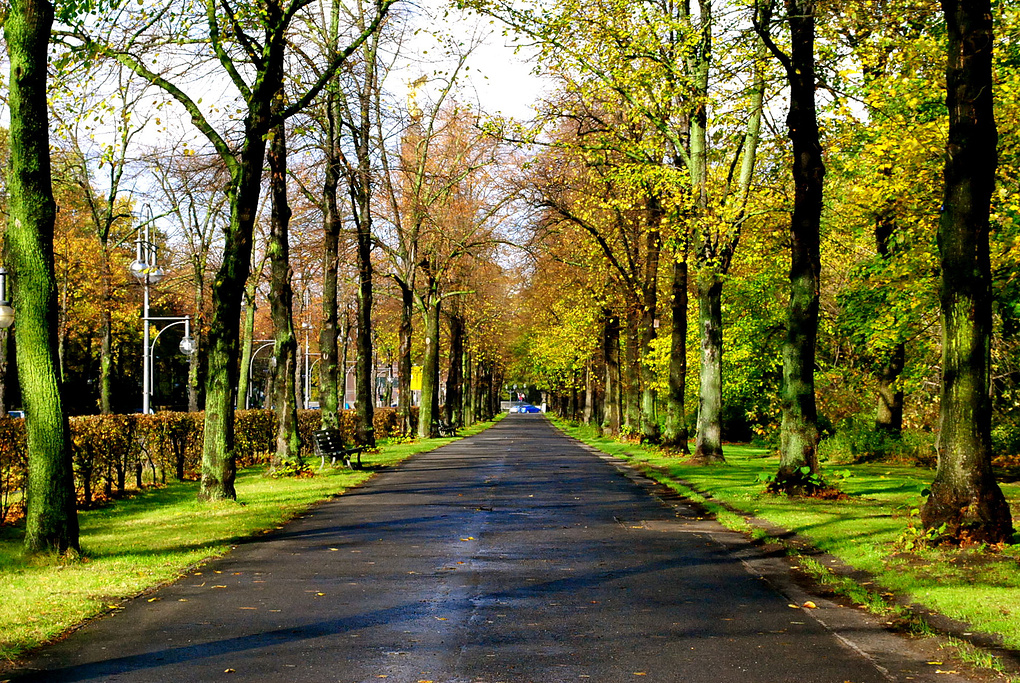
(146, 271)
(6, 312)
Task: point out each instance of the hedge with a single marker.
(110, 450)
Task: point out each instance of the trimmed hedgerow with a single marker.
(111, 452)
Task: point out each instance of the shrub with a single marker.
(13, 467)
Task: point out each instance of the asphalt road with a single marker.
(515, 555)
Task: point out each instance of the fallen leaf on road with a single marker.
(640, 673)
(940, 671)
(440, 618)
(155, 599)
(792, 606)
(228, 671)
(217, 586)
(935, 663)
(334, 549)
(810, 605)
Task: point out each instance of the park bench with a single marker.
(447, 429)
(329, 443)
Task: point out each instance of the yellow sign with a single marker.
(416, 378)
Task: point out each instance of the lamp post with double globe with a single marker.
(148, 273)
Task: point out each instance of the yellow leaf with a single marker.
(810, 605)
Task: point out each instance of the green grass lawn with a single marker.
(152, 538)
(979, 587)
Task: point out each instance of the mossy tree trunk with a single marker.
(966, 504)
(674, 433)
(281, 306)
(51, 522)
(330, 372)
(247, 341)
(708, 444)
(798, 465)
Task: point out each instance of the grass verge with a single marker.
(153, 537)
(867, 530)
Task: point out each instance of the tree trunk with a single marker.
(632, 371)
(468, 389)
(708, 444)
(195, 359)
(648, 320)
(405, 400)
(106, 339)
(364, 405)
(219, 466)
(288, 441)
(455, 380)
(889, 414)
(244, 381)
(966, 504)
(51, 521)
(675, 432)
(330, 373)
(798, 451)
(611, 355)
(428, 411)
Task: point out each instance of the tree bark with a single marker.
(798, 464)
(428, 410)
(404, 401)
(361, 194)
(675, 432)
(966, 504)
(454, 379)
(611, 355)
(219, 466)
(708, 443)
(51, 522)
(631, 370)
(889, 413)
(288, 441)
(330, 373)
(647, 330)
(248, 332)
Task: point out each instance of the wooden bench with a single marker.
(447, 429)
(329, 443)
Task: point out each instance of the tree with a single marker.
(798, 451)
(251, 55)
(281, 303)
(966, 504)
(51, 519)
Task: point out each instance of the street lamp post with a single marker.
(6, 312)
(146, 271)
